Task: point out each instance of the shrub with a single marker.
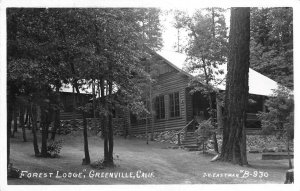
(13, 172)
(204, 131)
(280, 114)
(54, 148)
(99, 164)
(279, 118)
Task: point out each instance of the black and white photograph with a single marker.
(125, 94)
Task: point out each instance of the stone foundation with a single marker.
(259, 143)
(164, 136)
(93, 124)
(267, 143)
(255, 143)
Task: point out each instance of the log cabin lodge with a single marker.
(174, 106)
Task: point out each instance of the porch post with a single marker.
(263, 104)
(128, 128)
(178, 137)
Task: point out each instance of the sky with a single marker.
(170, 33)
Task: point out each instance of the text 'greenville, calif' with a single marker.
(139, 174)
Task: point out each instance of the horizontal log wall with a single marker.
(167, 83)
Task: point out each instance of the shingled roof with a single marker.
(258, 83)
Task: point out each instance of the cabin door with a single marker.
(200, 106)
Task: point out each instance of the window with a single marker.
(133, 118)
(164, 69)
(147, 68)
(114, 115)
(160, 107)
(174, 104)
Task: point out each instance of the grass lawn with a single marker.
(148, 164)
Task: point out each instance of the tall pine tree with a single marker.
(236, 98)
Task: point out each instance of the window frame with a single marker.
(160, 107)
(174, 105)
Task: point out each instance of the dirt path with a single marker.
(138, 163)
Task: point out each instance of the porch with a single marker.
(199, 104)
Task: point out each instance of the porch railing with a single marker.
(252, 117)
(183, 130)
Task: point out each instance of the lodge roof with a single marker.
(258, 83)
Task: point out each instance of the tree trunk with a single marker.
(9, 119)
(56, 114)
(211, 110)
(288, 150)
(147, 131)
(236, 99)
(104, 124)
(214, 135)
(127, 123)
(74, 106)
(110, 126)
(152, 115)
(110, 140)
(216, 146)
(27, 118)
(44, 141)
(219, 113)
(34, 127)
(87, 159)
(44, 124)
(15, 116)
(22, 124)
(94, 99)
(100, 102)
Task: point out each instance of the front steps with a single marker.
(69, 116)
(190, 142)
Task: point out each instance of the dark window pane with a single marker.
(171, 105)
(160, 107)
(133, 118)
(157, 107)
(174, 105)
(177, 113)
